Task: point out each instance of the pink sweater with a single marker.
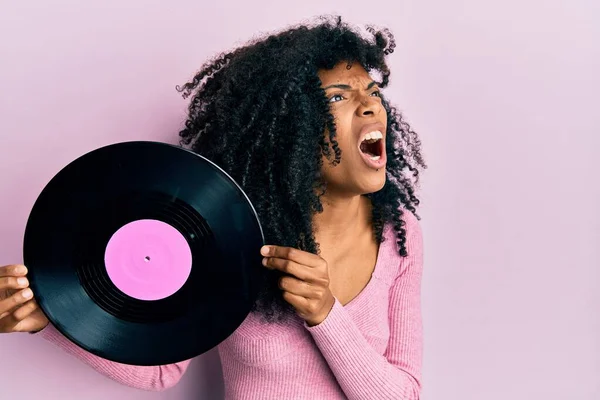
(370, 348)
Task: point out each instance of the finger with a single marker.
(15, 300)
(301, 272)
(13, 270)
(290, 253)
(300, 303)
(13, 282)
(299, 288)
(25, 310)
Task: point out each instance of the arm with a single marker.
(360, 370)
(155, 378)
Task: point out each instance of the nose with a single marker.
(368, 107)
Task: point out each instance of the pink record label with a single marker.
(148, 259)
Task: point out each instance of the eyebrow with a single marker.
(348, 87)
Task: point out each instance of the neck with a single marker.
(342, 218)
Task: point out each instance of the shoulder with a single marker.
(414, 232)
(413, 261)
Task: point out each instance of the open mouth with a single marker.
(372, 145)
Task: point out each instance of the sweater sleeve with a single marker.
(152, 378)
(362, 372)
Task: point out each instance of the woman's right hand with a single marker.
(19, 311)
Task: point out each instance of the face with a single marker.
(361, 122)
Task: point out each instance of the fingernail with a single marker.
(20, 269)
(22, 281)
(27, 293)
(264, 250)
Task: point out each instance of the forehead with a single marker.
(355, 76)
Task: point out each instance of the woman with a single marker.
(331, 167)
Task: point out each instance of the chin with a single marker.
(373, 186)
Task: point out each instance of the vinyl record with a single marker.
(144, 253)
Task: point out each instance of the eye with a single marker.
(335, 98)
(376, 93)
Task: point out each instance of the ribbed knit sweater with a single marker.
(369, 348)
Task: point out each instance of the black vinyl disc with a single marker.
(144, 253)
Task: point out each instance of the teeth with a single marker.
(373, 136)
(375, 158)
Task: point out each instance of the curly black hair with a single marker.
(259, 112)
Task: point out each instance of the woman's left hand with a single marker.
(307, 286)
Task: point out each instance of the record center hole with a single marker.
(147, 258)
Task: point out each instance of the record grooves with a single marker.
(137, 206)
(144, 253)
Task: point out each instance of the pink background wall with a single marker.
(504, 94)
